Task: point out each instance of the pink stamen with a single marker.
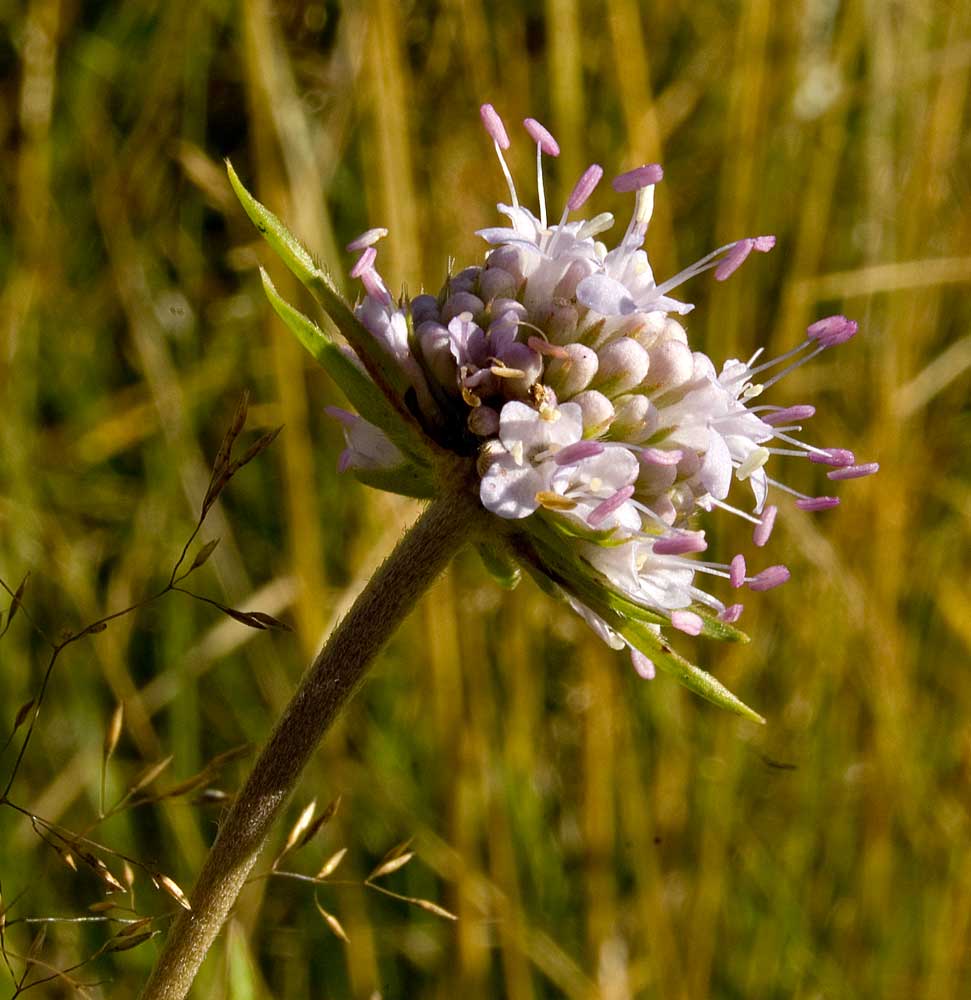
(584, 186)
(374, 286)
(763, 244)
(832, 330)
(367, 239)
(833, 456)
(854, 471)
(493, 125)
(764, 529)
(736, 571)
(789, 415)
(541, 136)
(541, 346)
(735, 259)
(657, 456)
(774, 576)
(680, 543)
(687, 622)
(643, 666)
(639, 177)
(573, 453)
(365, 262)
(732, 613)
(603, 510)
(813, 504)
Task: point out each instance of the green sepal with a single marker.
(694, 678)
(360, 391)
(576, 577)
(502, 569)
(406, 480)
(383, 368)
(570, 527)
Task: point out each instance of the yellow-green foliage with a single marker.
(598, 836)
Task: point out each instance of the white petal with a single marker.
(605, 296)
(509, 490)
(716, 470)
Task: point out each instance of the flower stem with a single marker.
(425, 550)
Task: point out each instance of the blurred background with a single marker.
(597, 835)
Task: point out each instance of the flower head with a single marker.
(558, 369)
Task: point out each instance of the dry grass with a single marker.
(598, 837)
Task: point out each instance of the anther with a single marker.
(813, 504)
(639, 177)
(854, 471)
(774, 576)
(494, 126)
(736, 571)
(687, 622)
(542, 137)
(763, 530)
(585, 186)
(367, 239)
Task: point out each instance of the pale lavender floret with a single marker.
(639, 177)
(367, 239)
(687, 622)
(578, 452)
(365, 262)
(585, 186)
(680, 543)
(542, 137)
(494, 126)
(813, 504)
(791, 414)
(769, 578)
(764, 528)
(367, 446)
(605, 295)
(374, 286)
(731, 614)
(832, 330)
(643, 666)
(839, 457)
(736, 571)
(854, 471)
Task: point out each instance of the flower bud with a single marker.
(571, 375)
(671, 365)
(623, 365)
(460, 302)
(634, 416)
(424, 307)
(496, 282)
(436, 349)
(598, 412)
(483, 421)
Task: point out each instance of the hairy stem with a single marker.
(445, 526)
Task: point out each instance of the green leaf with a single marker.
(360, 390)
(407, 480)
(571, 573)
(381, 366)
(694, 678)
(502, 569)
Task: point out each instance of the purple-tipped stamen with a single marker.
(680, 543)
(375, 287)
(542, 137)
(603, 510)
(832, 330)
(761, 533)
(541, 346)
(854, 471)
(734, 260)
(774, 576)
(365, 262)
(838, 457)
(639, 177)
(813, 504)
(574, 453)
(366, 239)
(731, 614)
(643, 666)
(687, 622)
(791, 414)
(736, 571)
(494, 126)
(584, 187)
